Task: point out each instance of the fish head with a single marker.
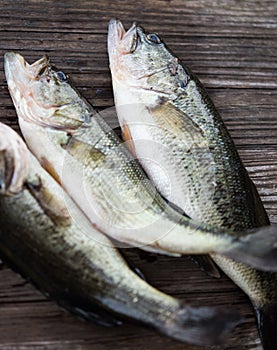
(43, 94)
(14, 161)
(141, 60)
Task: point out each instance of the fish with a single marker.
(46, 238)
(172, 126)
(78, 148)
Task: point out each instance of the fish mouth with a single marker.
(116, 30)
(120, 40)
(29, 84)
(120, 44)
(17, 68)
(21, 78)
(14, 161)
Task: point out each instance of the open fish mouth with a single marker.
(127, 48)
(116, 29)
(41, 94)
(16, 67)
(21, 78)
(121, 41)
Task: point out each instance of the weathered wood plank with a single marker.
(232, 46)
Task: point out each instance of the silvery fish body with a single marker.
(172, 126)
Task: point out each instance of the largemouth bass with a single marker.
(171, 122)
(45, 237)
(77, 147)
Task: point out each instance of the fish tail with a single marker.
(267, 325)
(202, 325)
(257, 249)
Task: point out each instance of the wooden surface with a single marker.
(232, 46)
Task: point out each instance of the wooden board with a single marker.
(232, 46)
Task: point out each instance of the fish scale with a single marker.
(175, 100)
(237, 210)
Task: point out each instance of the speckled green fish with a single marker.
(84, 155)
(172, 126)
(45, 237)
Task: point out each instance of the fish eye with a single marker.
(61, 76)
(153, 38)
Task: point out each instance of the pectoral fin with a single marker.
(174, 120)
(53, 207)
(81, 150)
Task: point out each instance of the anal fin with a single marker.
(207, 265)
(132, 266)
(87, 311)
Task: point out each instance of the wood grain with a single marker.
(232, 46)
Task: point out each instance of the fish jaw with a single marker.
(120, 43)
(116, 33)
(17, 67)
(121, 46)
(14, 161)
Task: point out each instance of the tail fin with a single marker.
(202, 325)
(267, 325)
(257, 249)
